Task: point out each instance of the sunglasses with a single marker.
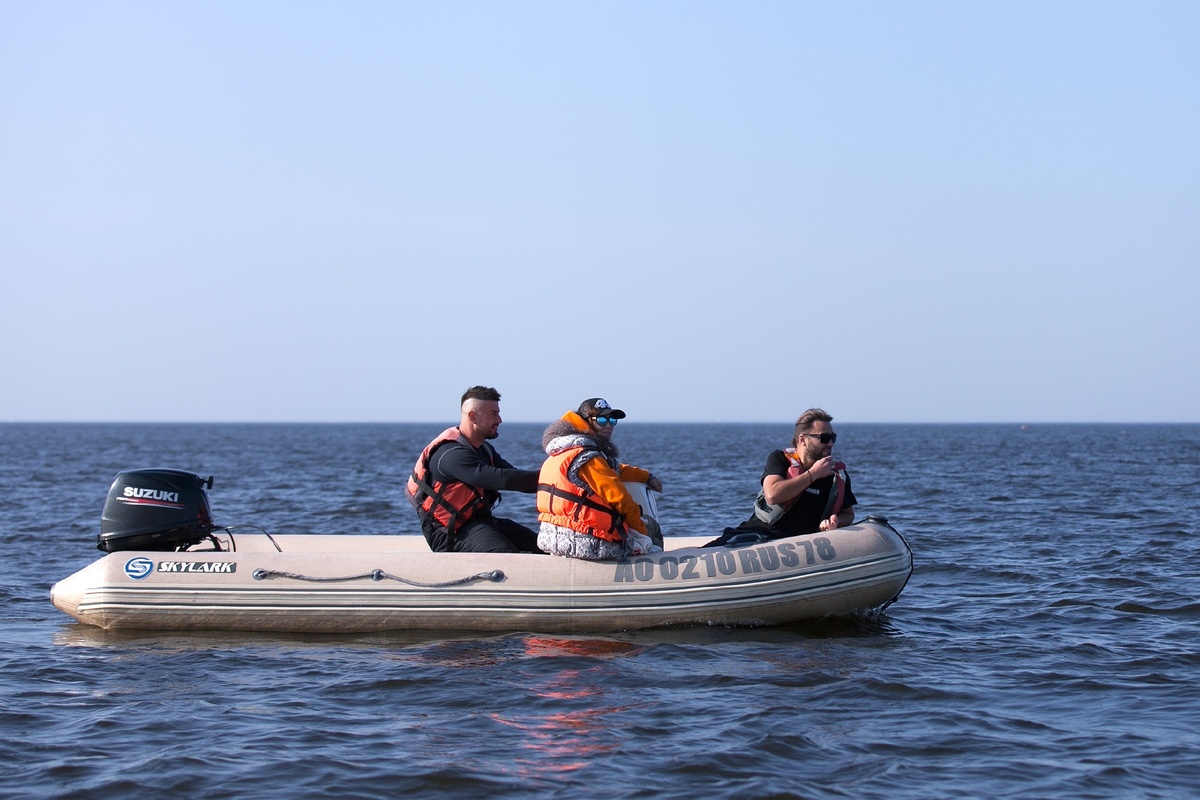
(605, 420)
(826, 438)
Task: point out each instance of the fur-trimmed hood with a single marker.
(572, 430)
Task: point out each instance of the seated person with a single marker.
(584, 509)
(804, 489)
(457, 480)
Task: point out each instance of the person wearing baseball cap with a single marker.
(583, 506)
(595, 407)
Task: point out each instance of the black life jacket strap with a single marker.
(833, 495)
(439, 500)
(618, 519)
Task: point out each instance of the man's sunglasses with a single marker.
(826, 438)
(605, 420)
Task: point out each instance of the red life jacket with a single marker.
(448, 503)
(561, 502)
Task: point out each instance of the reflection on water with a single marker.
(556, 740)
(867, 624)
(542, 646)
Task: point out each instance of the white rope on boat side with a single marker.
(494, 575)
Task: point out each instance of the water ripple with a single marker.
(1045, 646)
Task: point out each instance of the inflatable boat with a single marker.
(197, 577)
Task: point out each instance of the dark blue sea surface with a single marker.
(1047, 645)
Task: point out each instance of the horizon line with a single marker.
(624, 423)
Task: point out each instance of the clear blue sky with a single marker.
(328, 211)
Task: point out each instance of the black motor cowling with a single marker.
(155, 509)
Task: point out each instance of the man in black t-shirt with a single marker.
(805, 489)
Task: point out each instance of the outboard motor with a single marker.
(155, 509)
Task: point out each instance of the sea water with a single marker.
(1047, 645)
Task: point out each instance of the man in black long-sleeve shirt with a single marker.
(458, 478)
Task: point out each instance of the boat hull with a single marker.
(348, 584)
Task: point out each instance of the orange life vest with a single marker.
(561, 502)
(448, 503)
